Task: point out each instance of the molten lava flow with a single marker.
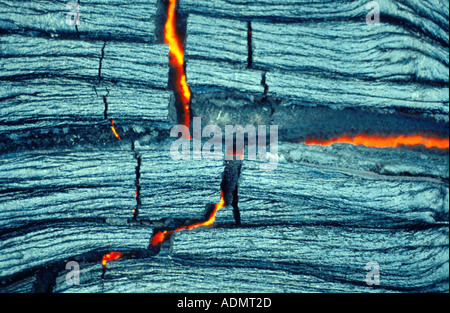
(160, 236)
(112, 256)
(239, 154)
(114, 130)
(176, 60)
(212, 216)
(232, 152)
(378, 141)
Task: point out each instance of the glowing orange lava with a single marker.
(112, 256)
(176, 59)
(114, 130)
(231, 153)
(160, 236)
(239, 154)
(378, 141)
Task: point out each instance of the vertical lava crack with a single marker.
(113, 128)
(138, 186)
(229, 186)
(100, 78)
(105, 112)
(174, 39)
(265, 86)
(113, 256)
(249, 45)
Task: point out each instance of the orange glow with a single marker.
(385, 141)
(160, 236)
(239, 154)
(212, 217)
(232, 153)
(176, 60)
(112, 256)
(114, 130)
(171, 36)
